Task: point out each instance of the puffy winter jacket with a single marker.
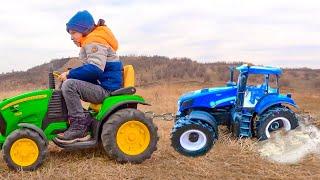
(101, 65)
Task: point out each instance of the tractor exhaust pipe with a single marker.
(231, 73)
(231, 81)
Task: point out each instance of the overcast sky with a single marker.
(282, 33)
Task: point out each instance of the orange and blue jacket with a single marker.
(101, 65)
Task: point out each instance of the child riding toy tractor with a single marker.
(247, 110)
(29, 121)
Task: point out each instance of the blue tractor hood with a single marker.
(208, 98)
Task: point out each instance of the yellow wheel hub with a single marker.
(133, 137)
(24, 152)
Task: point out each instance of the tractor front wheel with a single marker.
(129, 136)
(275, 119)
(192, 137)
(24, 149)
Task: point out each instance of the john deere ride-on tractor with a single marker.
(29, 121)
(248, 110)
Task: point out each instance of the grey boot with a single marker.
(78, 130)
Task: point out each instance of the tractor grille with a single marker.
(56, 106)
(57, 110)
(2, 125)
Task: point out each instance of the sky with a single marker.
(284, 33)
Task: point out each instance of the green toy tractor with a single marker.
(30, 120)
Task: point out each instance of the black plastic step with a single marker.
(77, 145)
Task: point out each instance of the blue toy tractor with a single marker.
(248, 111)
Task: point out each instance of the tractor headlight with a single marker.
(178, 104)
(187, 103)
(183, 105)
(178, 108)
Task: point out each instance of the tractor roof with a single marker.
(259, 69)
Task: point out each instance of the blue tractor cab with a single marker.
(247, 109)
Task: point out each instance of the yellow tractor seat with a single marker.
(128, 76)
(95, 107)
(128, 86)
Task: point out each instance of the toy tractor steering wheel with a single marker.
(52, 76)
(56, 74)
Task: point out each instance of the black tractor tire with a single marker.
(109, 135)
(235, 129)
(31, 137)
(196, 129)
(271, 115)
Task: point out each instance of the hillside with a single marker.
(150, 70)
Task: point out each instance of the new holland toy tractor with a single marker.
(247, 110)
(29, 121)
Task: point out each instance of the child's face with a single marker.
(75, 37)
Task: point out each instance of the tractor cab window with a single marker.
(255, 80)
(255, 89)
(273, 83)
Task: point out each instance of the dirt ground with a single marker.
(230, 158)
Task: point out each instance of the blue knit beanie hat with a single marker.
(81, 22)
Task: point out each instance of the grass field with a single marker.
(230, 158)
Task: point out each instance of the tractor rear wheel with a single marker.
(192, 137)
(24, 149)
(129, 136)
(275, 119)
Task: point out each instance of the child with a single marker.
(100, 73)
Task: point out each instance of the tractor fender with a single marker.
(205, 117)
(36, 129)
(116, 107)
(271, 100)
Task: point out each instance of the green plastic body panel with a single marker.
(57, 126)
(2, 139)
(114, 101)
(25, 108)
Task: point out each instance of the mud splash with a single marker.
(290, 147)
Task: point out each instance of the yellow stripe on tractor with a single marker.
(24, 100)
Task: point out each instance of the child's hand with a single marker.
(63, 76)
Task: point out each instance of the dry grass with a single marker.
(229, 159)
